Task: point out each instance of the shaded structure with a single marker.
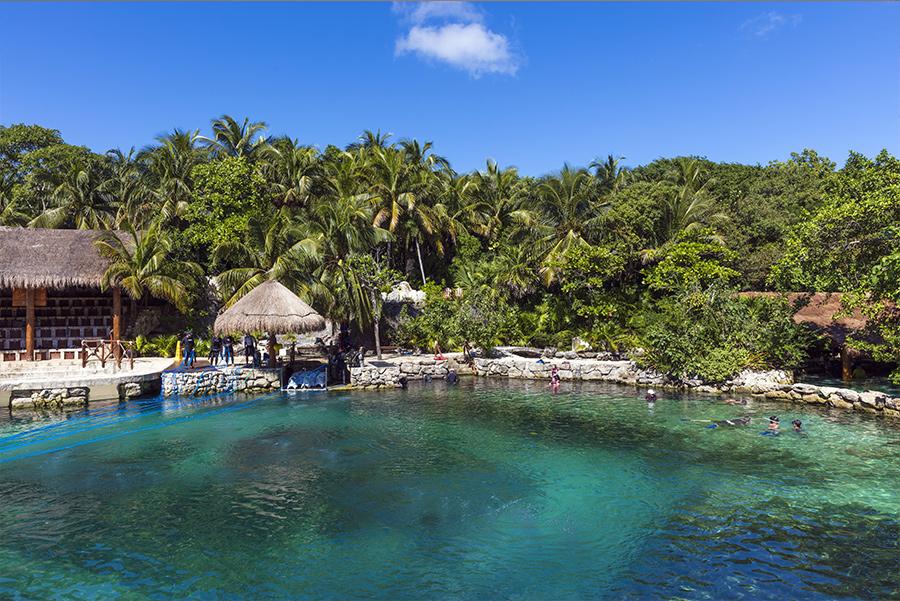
(271, 308)
(50, 295)
(823, 312)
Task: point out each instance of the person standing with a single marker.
(187, 344)
(228, 350)
(215, 347)
(249, 349)
(554, 379)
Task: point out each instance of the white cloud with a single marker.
(454, 33)
(764, 24)
(420, 12)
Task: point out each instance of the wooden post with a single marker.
(29, 324)
(117, 325)
(270, 346)
(117, 314)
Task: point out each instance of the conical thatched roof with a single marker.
(47, 258)
(270, 307)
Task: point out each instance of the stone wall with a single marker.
(387, 374)
(375, 376)
(206, 382)
(623, 372)
(775, 385)
(75, 396)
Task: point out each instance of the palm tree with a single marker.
(127, 189)
(273, 248)
(142, 264)
(499, 201)
(80, 201)
(169, 167)
(690, 206)
(570, 213)
(610, 177)
(236, 140)
(291, 171)
(9, 211)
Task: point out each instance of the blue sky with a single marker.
(531, 85)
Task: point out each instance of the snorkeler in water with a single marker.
(773, 427)
(735, 402)
(733, 422)
(797, 425)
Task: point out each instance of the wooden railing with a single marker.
(104, 350)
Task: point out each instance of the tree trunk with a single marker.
(421, 268)
(376, 320)
(377, 338)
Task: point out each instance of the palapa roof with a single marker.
(270, 307)
(819, 309)
(48, 258)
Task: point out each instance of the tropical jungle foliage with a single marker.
(651, 257)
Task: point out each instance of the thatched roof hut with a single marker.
(821, 311)
(270, 307)
(47, 258)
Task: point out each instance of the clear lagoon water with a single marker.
(486, 490)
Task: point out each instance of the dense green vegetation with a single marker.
(651, 257)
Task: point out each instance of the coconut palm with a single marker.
(128, 190)
(80, 200)
(570, 213)
(291, 171)
(236, 140)
(690, 206)
(169, 166)
(142, 263)
(608, 175)
(500, 201)
(273, 248)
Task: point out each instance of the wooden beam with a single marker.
(30, 324)
(117, 313)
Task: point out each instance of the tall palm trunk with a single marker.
(419, 254)
(376, 321)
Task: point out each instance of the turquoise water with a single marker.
(879, 384)
(487, 490)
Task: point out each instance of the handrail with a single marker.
(103, 350)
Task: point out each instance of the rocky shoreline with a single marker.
(773, 385)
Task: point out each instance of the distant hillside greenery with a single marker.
(650, 257)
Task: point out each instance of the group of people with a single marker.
(650, 397)
(773, 428)
(220, 349)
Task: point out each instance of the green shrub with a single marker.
(715, 334)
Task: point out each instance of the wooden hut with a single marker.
(50, 296)
(272, 308)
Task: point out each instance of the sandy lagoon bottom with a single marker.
(486, 490)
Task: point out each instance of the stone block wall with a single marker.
(374, 376)
(77, 396)
(208, 382)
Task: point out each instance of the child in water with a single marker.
(554, 379)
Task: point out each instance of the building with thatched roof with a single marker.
(271, 308)
(50, 296)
